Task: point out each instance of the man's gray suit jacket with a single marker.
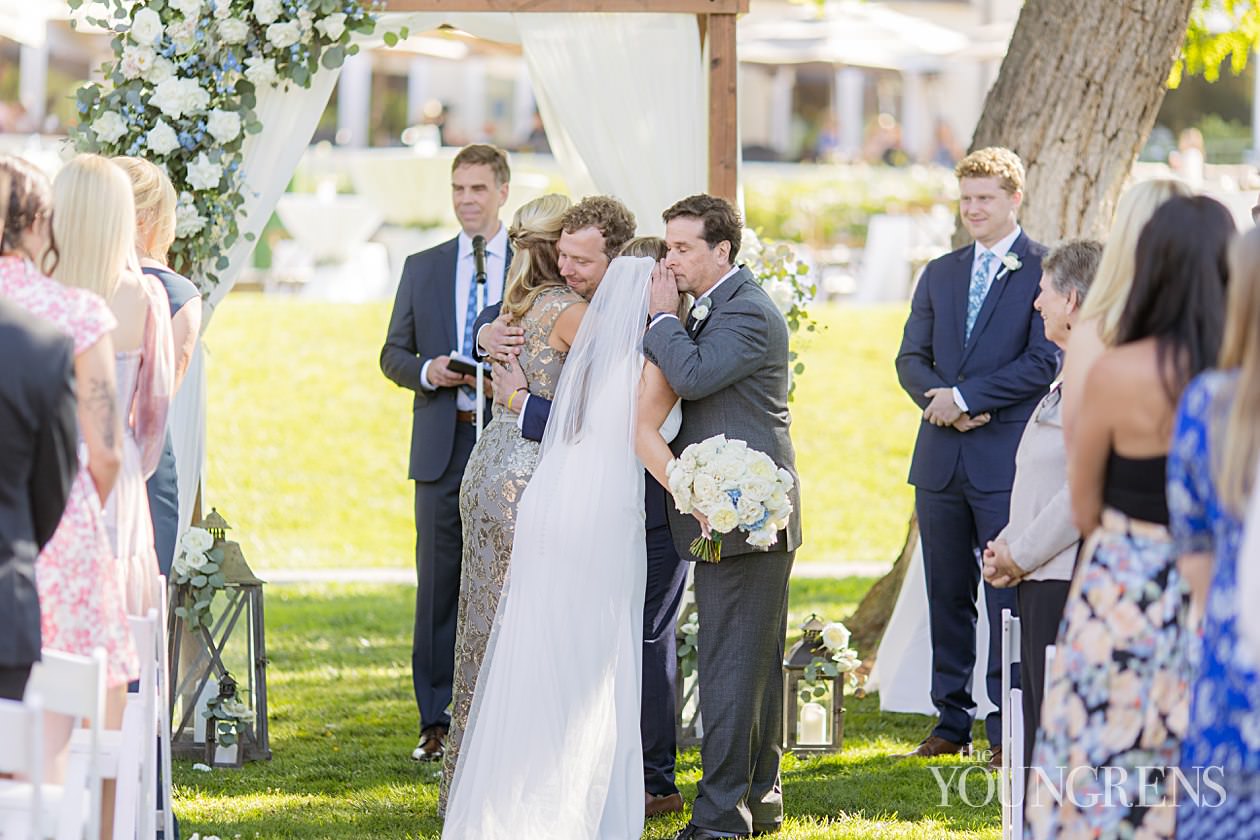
(732, 374)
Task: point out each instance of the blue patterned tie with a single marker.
(979, 288)
(470, 318)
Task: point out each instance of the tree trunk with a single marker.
(1076, 97)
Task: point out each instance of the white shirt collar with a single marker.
(495, 246)
(1001, 248)
(725, 277)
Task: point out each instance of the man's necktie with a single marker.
(979, 288)
(470, 318)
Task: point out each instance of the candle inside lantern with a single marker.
(812, 728)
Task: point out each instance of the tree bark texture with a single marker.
(1076, 98)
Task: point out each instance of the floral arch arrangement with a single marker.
(181, 91)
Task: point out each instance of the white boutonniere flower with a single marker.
(701, 310)
(1010, 263)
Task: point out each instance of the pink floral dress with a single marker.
(79, 579)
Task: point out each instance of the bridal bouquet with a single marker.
(733, 487)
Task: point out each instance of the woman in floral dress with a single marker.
(1210, 473)
(79, 580)
(503, 461)
(1115, 707)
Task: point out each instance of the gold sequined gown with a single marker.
(498, 470)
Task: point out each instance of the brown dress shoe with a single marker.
(933, 746)
(432, 744)
(995, 759)
(656, 805)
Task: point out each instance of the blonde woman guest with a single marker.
(536, 298)
(96, 228)
(1211, 481)
(155, 232)
(1116, 702)
(1100, 318)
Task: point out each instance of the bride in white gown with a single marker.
(552, 749)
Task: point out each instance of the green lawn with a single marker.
(343, 719)
(308, 441)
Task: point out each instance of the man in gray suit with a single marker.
(433, 318)
(729, 363)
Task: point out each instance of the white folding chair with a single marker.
(22, 803)
(1012, 734)
(165, 814)
(133, 750)
(74, 686)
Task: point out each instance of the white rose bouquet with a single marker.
(197, 574)
(733, 487)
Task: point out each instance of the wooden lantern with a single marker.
(204, 660)
(813, 715)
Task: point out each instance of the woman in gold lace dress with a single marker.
(502, 462)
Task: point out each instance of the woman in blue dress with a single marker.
(1210, 470)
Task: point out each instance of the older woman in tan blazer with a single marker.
(1037, 549)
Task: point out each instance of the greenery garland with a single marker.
(181, 91)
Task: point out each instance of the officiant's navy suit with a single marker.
(963, 480)
(422, 327)
(666, 580)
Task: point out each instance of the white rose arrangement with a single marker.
(787, 280)
(182, 89)
(832, 658)
(196, 573)
(733, 487)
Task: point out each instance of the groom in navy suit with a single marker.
(594, 230)
(974, 357)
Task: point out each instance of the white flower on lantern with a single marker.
(136, 61)
(176, 97)
(233, 30)
(162, 69)
(260, 71)
(146, 27)
(190, 9)
(161, 139)
(108, 127)
(332, 26)
(266, 11)
(224, 126)
(187, 220)
(284, 35)
(204, 174)
(835, 636)
(196, 539)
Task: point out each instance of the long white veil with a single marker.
(552, 748)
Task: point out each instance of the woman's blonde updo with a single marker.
(534, 232)
(155, 206)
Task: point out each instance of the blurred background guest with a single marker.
(155, 232)
(1100, 317)
(1117, 692)
(1038, 546)
(95, 224)
(1211, 476)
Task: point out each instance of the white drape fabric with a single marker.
(553, 748)
(903, 665)
(622, 98)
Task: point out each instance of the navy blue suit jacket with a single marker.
(534, 423)
(1003, 369)
(421, 328)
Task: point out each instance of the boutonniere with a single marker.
(701, 310)
(1010, 263)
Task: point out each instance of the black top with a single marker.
(1135, 487)
(179, 289)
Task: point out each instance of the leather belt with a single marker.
(465, 416)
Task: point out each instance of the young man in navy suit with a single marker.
(433, 317)
(974, 357)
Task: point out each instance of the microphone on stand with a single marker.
(479, 277)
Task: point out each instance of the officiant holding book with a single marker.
(432, 321)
